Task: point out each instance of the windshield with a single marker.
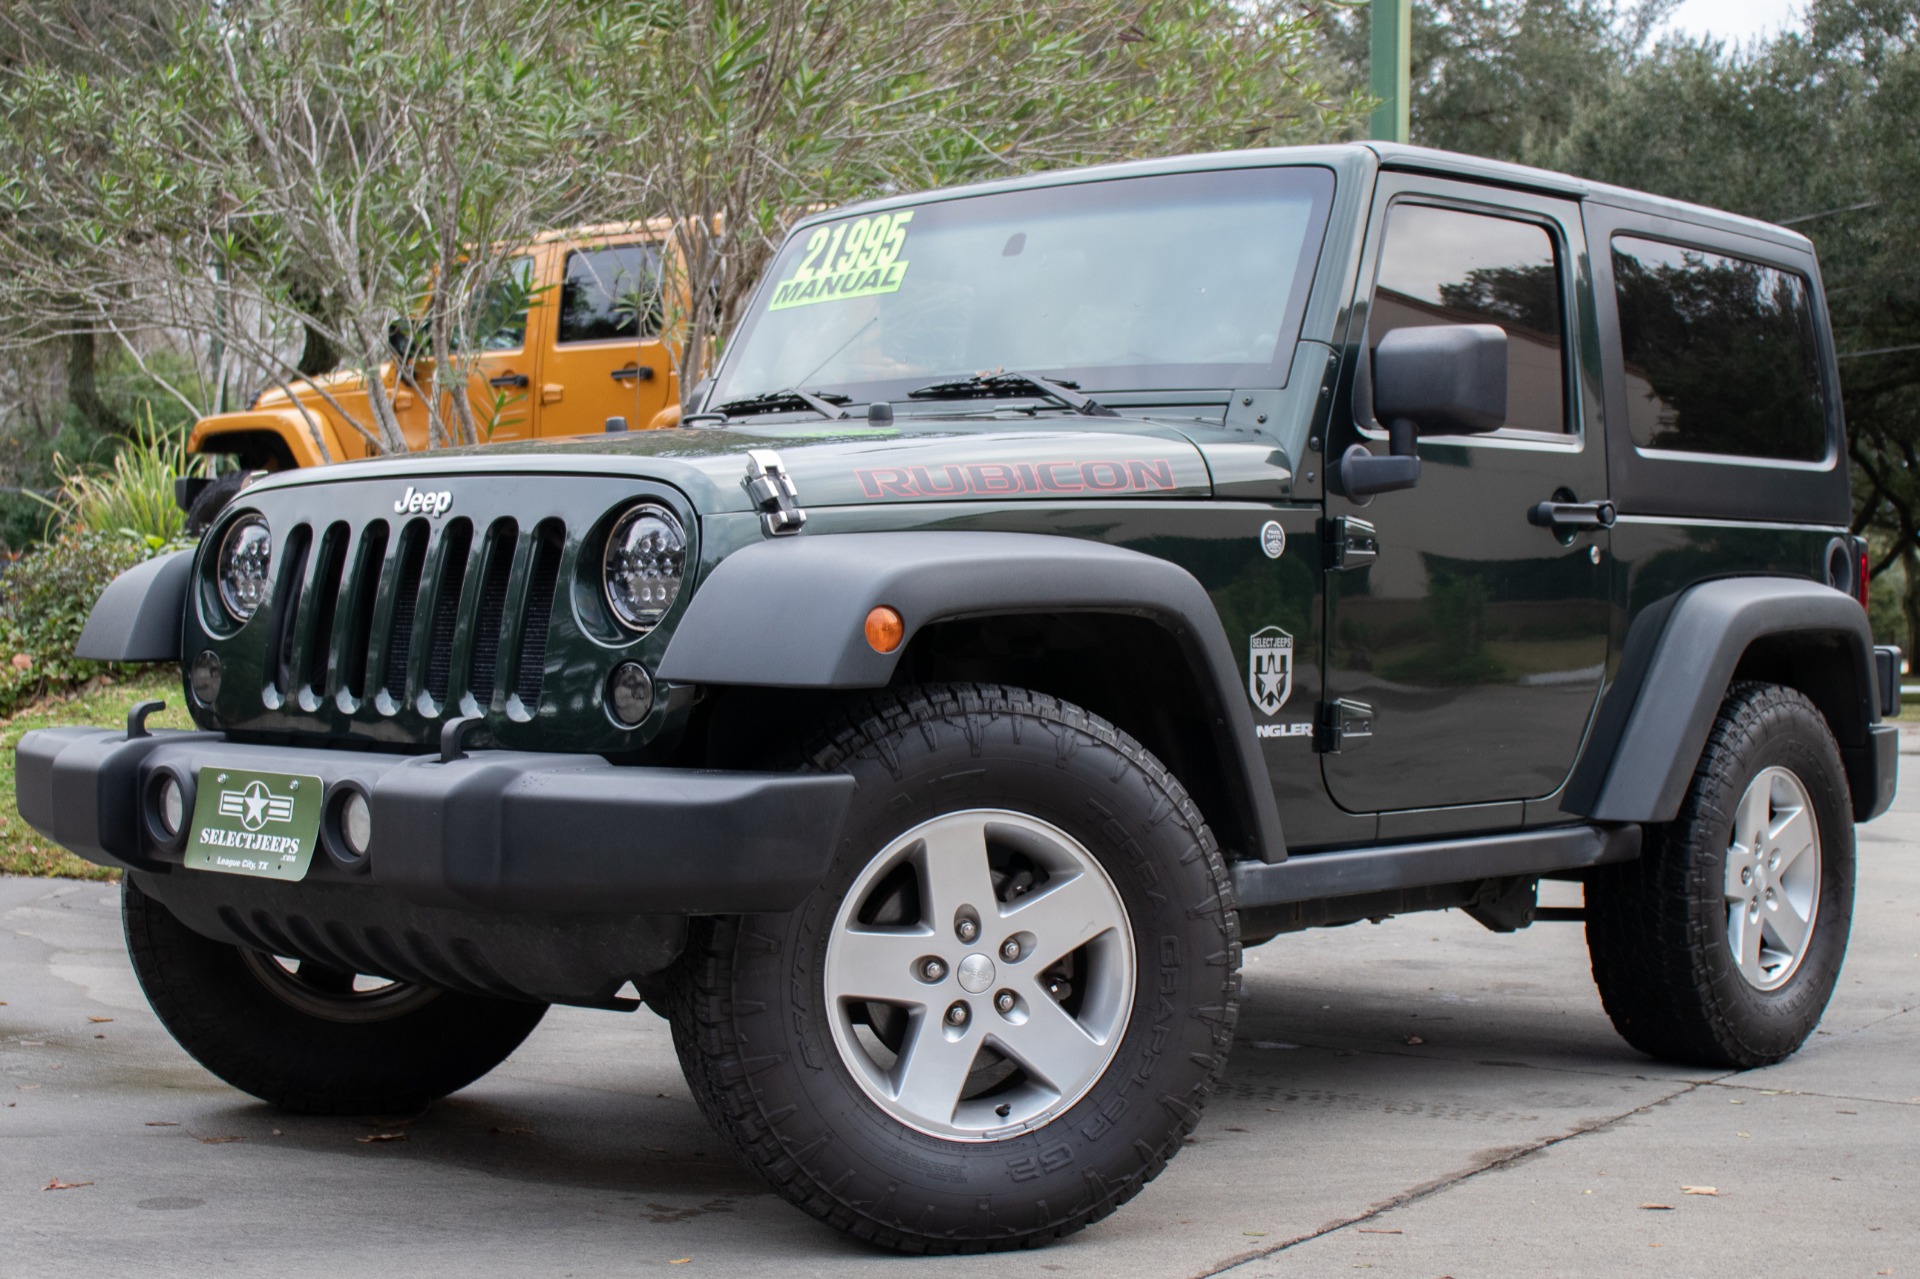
(1191, 280)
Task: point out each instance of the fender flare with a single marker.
(140, 616)
(790, 613)
(1680, 657)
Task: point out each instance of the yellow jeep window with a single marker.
(611, 293)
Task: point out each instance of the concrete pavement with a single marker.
(1416, 1098)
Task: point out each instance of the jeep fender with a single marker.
(1681, 655)
(791, 612)
(138, 618)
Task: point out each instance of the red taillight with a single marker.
(1860, 580)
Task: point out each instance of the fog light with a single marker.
(203, 677)
(630, 694)
(356, 823)
(171, 806)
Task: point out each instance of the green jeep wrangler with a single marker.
(1068, 582)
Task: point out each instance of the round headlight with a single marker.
(245, 553)
(645, 563)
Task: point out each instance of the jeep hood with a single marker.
(841, 463)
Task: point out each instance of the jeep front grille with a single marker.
(437, 618)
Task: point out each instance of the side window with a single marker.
(499, 320)
(1443, 266)
(1721, 354)
(611, 293)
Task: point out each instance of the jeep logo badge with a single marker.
(1270, 669)
(420, 502)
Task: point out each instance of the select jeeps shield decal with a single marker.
(1270, 669)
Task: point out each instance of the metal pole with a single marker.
(1392, 32)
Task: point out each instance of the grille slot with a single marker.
(286, 604)
(366, 574)
(455, 544)
(549, 538)
(493, 608)
(328, 566)
(406, 597)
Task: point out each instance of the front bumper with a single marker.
(497, 832)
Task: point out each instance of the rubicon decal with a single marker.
(1002, 479)
(1270, 669)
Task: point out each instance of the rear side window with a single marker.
(611, 293)
(1722, 354)
(1443, 266)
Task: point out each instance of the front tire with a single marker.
(1004, 1009)
(312, 1040)
(1721, 945)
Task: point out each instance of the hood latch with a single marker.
(772, 490)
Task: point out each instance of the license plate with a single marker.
(248, 823)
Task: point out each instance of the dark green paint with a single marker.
(1447, 634)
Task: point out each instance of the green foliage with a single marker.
(133, 497)
(103, 700)
(45, 597)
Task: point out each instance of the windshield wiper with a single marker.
(1005, 382)
(827, 406)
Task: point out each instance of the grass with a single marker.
(102, 701)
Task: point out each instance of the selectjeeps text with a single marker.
(1068, 582)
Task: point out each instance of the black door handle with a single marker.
(508, 379)
(1572, 517)
(640, 371)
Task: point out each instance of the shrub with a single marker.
(134, 496)
(45, 597)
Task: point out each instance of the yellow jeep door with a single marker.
(606, 358)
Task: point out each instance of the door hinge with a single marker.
(1349, 542)
(1343, 723)
(772, 490)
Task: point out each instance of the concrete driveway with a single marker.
(1416, 1098)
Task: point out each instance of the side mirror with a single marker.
(1446, 379)
(403, 340)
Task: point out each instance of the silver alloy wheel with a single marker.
(979, 975)
(1773, 878)
(332, 995)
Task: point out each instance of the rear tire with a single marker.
(304, 1039)
(1721, 945)
(212, 500)
(1078, 1065)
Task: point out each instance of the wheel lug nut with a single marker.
(933, 970)
(957, 1015)
(1010, 951)
(966, 930)
(1004, 1001)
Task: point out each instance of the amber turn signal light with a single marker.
(885, 630)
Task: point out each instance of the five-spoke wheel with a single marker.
(979, 974)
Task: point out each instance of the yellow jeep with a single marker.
(582, 353)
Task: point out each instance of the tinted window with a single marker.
(611, 293)
(1442, 266)
(1721, 353)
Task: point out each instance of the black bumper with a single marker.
(495, 833)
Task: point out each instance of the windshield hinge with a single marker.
(772, 490)
(1343, 724)
(1349, 542)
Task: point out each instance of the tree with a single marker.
(738, 116)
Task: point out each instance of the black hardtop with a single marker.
(1356, 159)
